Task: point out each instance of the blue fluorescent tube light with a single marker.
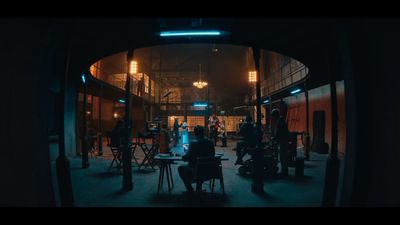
(190, 33)
(266, 101)
(121, 100)
(295, 91)
(83, 78)
(200, 104)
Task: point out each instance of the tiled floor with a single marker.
(96, 187)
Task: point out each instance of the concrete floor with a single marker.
(95, 187)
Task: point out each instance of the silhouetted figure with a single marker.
(176, 131)
(280, 136)
(116, 134)
(91, 140)
(140, 87)
(201, 147)
(249, 134)
(185, 133)
(222, 133)
(214, 124)
(240, 123)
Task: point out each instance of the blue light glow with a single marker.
(266, 101)
(200, 104)
(121, 100)
(83, 78)
(190, 33)
(295, 91)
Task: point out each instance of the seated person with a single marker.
(117, 134)
(201, 147)
(249, 134)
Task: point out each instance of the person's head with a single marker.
(199, 131)
(275, 114)
(249, 119)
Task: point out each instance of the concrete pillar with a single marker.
(258, 179)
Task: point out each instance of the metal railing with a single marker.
(286, 75)
(119, 80)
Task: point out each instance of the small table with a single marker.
(165, 167)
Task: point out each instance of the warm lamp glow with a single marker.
(252, 76)
(133, 67)
(200, 84)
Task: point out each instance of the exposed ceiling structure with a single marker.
(301, 39)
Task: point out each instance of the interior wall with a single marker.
(319, 99)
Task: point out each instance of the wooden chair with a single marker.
(209, 169)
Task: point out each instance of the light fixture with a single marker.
(266, 101)
(253, 76)
(115, 115)
(121, 100)
(295, 91)
(200, 104)
(200, 84)
(133, 67)
(180, 33)
(83, 78)
(214, 49)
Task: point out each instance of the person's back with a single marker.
(248, 132)
(201, 147)
(280, 135)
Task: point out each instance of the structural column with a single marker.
(307, 134)
(100, 136)
(258, 181)
(185, 112)
(127, 183)
(85, 156)
(333, 163)
(62, 162)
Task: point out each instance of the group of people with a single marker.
(204, 147)
(217, 130)
(201, 146)
(185, 132)
(279, 136)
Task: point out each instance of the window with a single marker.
(146, 83)
(193, 121)
(152, 87)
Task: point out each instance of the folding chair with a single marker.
(209, 168)
(115, 144)
(149, 153)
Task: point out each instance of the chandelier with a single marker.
(200, 83)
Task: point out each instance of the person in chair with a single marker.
(248, 132)
(200, 147)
